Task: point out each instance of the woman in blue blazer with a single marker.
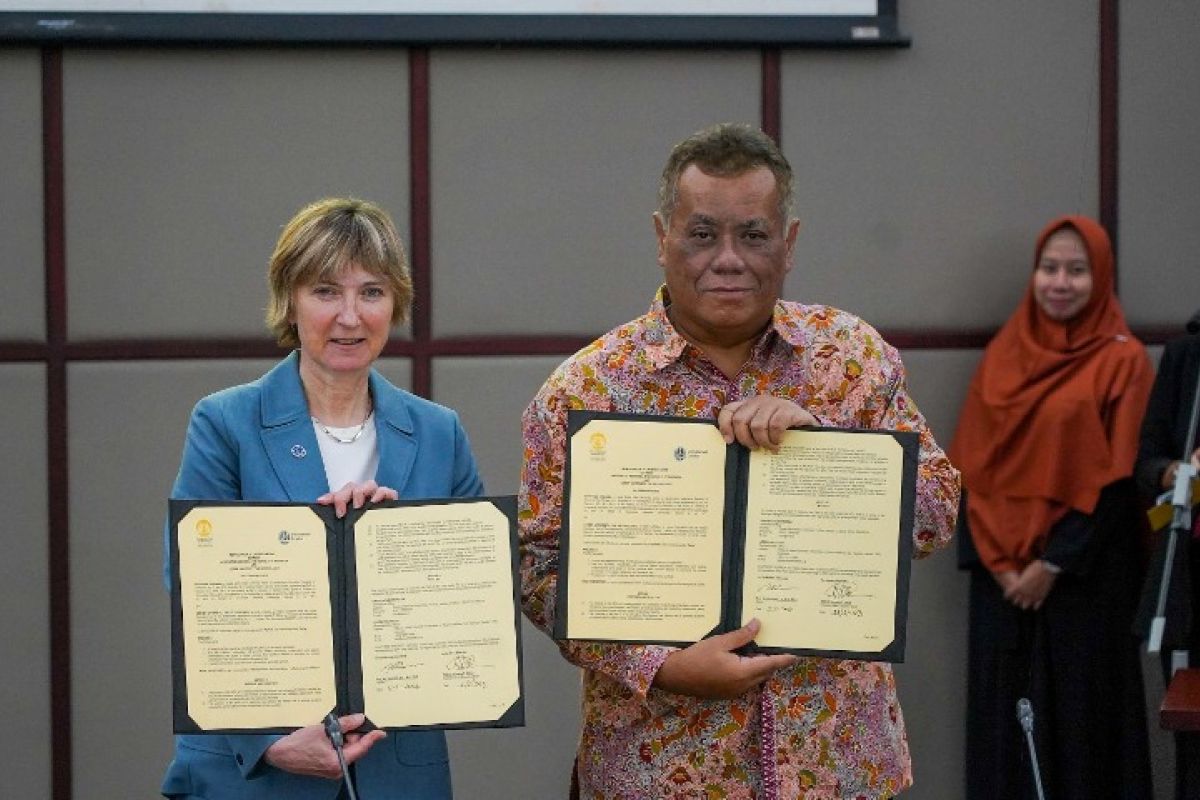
(323, 426)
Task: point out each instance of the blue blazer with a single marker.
(256, 442)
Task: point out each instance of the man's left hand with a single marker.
(711, 669)
(760, 421)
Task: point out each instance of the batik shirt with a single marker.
(822, 728)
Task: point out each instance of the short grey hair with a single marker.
(723, 150)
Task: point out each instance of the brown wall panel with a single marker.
(925, 174)
(21, 257)
(127, 425)
(933, 679)
(24, 583)
(182, 167)
(545, 170)
(1160, 163)
(489, 394)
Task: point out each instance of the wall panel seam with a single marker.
(57, 479)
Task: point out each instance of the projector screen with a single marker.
(695, 22)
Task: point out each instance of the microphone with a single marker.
(333, 729)
(1025, 714)
(1025, 717)
(1193, 324)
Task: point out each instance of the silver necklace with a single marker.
(346, 439)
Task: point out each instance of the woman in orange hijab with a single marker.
(1046, 443)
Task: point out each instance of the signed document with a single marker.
(646, 509)
(407, 612)
(435, 610)
(670, 535)
(823, 533)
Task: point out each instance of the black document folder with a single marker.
(408, 612)
(670, 535)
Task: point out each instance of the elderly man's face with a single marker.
(725, 255)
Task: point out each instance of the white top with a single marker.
(355, 461)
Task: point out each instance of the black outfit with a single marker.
(1164, 432)
(1075, 659)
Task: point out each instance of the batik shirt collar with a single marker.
(664, 344)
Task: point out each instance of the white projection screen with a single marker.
(832, 23)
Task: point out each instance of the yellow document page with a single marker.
(254, 589)
(647, 508)
(822, 523)
(436, 614)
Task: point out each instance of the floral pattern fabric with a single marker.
(821, 729)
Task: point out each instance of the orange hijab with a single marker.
(1052, 414)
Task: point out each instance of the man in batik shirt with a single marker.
(702, 721)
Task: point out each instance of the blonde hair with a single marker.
(325, 238)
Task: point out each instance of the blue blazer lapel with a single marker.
(287, 434)
(395, 434)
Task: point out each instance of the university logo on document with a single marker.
(599, 444)
(681, 453)
(284, 537)
(204, 531)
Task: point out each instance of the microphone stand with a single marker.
(333, 729)
(1025, 717)
(1181, 524)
